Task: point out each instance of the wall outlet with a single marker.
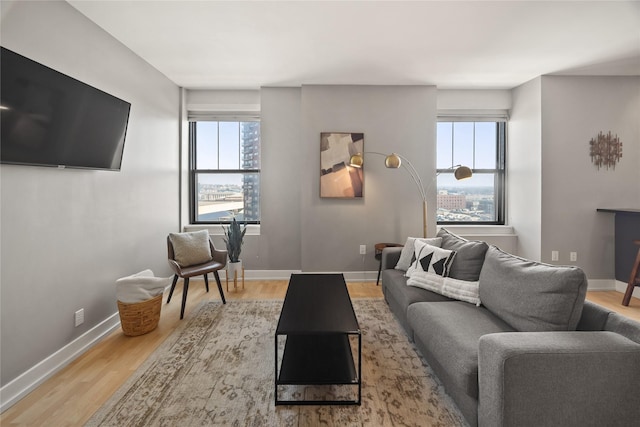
(573, 256)
(554, 255)
(79, 317)
(363, 249)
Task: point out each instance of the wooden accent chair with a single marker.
(217, 262)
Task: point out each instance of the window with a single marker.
(479, 145)
(224, 169)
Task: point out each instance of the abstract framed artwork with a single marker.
(337, 178)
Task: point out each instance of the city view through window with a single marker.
(226, 176)
(478, 145)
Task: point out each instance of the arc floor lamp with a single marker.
(395, 161)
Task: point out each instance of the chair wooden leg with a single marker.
(206, 282)
(633, 281)
(184, 296)
(217, 276)
(173, 286)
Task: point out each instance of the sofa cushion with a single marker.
(399, 296)
(448, 332)
(407, 256)
(532, 296)
(469, 255)
(395, 283)
(431, 259)
(593, 318)
(624, 326)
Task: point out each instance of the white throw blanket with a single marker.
(448, 286)
(140, 287)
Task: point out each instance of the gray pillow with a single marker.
(191, 248)
(532, 296)
(469, 255)
(407, 256)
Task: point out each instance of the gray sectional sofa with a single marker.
(513, 341)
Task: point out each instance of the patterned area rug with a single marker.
(218, 369)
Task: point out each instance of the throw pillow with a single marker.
(461, 290)
(429, 281)
(407, 256)
(469, 255)
(431, 259)
(191, 248)
(453, 288)
(532, 296)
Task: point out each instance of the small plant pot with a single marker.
(234, 268)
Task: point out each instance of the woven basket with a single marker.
(141, 317)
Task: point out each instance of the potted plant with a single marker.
(233, 238)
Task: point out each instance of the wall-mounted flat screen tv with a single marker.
(51, 119)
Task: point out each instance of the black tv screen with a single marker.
(51, 119)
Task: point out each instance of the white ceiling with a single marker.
(451, 44)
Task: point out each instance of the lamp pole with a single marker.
(395, 161)
(408, 166)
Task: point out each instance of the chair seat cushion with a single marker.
(201, 269)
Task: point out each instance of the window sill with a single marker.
(502, 236)
(217, 230)
(482, 230)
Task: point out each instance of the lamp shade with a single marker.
(356, 161)
(392, 161)
(462, 172)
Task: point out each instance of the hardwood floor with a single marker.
(71, 396)
(613, 301)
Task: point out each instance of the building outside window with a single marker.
(481, 146)
(224, 168)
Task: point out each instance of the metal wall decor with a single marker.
(605, 150)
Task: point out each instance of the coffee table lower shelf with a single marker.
(318, 359)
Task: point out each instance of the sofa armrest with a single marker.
(390, 257)
(558, 378)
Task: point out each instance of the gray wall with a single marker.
(574, 110)
(524, 160)
(67, 235)
(301, 231)
(278, 246)
(554, 189)
(393, 119)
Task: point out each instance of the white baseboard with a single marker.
(15, 390)
(601, 285)
(349, 276)
(622, 287)
(264, 274)
(611, 285)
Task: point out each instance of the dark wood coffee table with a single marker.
(318, 323)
